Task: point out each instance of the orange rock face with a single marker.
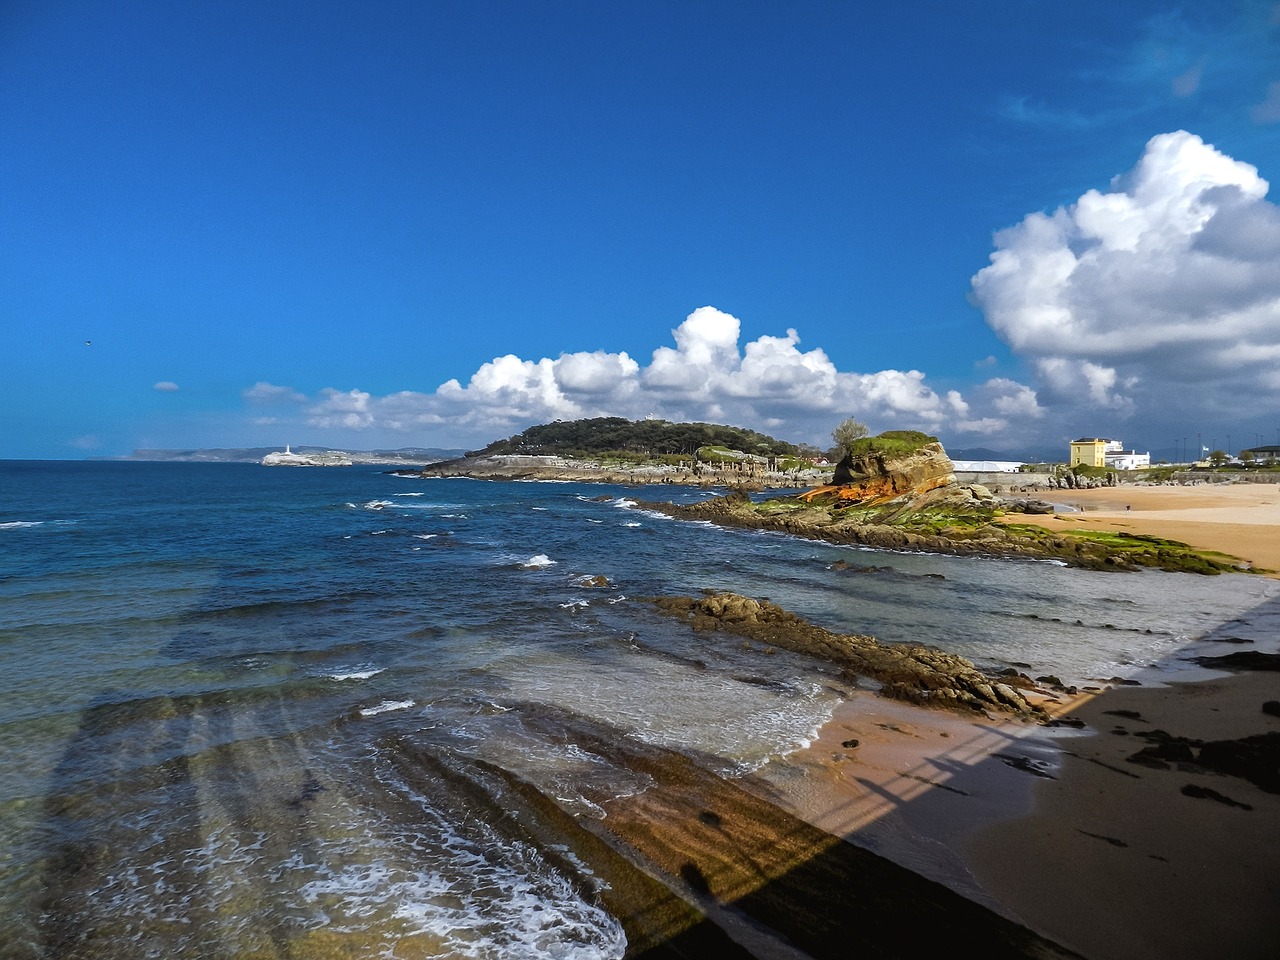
(876, 478)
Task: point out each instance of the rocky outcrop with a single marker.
(1254, 758)
(702, 864)
(747, 474)
(931, 523)
(329, 458)
(877, 475)
(910, 672)
(953, 519)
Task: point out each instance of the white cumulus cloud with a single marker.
(769, 383)
(1161, 292)
(268, 393)
(350, 409)
(165, 386)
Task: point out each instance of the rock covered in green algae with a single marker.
(952, 519)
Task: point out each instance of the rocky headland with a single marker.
(616, 450)
(326, 458)
(895, 491)
(749, 473)
(908, 499)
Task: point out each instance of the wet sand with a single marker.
(1059, 828)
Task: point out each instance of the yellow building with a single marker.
(1091, 451)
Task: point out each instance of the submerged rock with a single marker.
(910, 672)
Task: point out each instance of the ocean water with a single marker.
(265, 711)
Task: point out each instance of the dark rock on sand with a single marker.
(1255, 758)
(1127, 714)
(1042, 507)
(1207, 793)
(1244, 660)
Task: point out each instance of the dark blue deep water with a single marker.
(209, 673)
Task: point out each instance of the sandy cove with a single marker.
(1059, 828)
(1239, 519)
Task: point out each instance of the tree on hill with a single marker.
(648, 438)
(846, 433)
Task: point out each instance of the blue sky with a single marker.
(396, 224)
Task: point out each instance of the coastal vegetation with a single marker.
(955, 520)
(640, 440)
(847, 433)
(896, 490)
(891, 443)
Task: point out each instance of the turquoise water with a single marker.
(243, 707)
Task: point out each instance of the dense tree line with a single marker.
(647, 437)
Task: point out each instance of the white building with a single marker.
(1121, 459)
(1105, 452)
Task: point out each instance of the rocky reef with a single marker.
(910, 672)
(908, 499)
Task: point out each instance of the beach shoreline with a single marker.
(1240, 520)
(1060, 828)
(1057, 829)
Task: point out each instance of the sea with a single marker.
(248, 711)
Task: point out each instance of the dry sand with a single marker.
(1058, 828)
(1239, 519)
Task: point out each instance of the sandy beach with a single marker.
(1113, 835)
(1238, 519)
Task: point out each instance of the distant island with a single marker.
(329, 458)
(617, 450)
(402, 457)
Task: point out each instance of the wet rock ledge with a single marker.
(910, 672)
(951, 519)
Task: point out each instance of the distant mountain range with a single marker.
(401, 457)
(424, 455)
(1023, 456)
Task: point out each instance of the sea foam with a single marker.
(386, 706)
(357, 675)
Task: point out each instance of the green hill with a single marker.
(649, 438)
